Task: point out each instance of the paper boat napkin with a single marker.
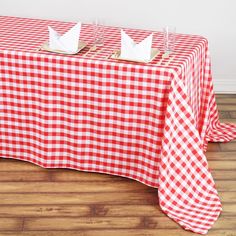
(135, 51)
(67, 42)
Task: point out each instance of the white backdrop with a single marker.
(214, 19)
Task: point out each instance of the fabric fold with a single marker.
(186, 184)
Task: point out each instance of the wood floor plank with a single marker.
(76, 223)
(227, 222)
(226, 101)
(227, 197)
(45, 210)
(224, 115)
(221, 156)
(14, 224)
(228, 146)
(213, 147)
(233, 114)
(219, 95)
(228, 120)
(17, 165)
(82, 198)
(223, 174)
(28, 176)
(74, 175)
(229, 209)
(228, 107)
(222, 165)
(61, 187)
(127, 210)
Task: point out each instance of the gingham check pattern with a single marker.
(147, 122)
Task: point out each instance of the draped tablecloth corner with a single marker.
(187, 192)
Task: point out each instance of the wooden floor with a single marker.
(41, 202)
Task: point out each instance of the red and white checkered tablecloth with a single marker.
(147, 122)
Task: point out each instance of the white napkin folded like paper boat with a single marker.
(136, 51)
(68, 43)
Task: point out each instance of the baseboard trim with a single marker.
(225, 84)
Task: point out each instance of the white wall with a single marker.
(214, 19)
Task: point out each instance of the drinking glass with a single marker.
(169, 38)
(98, 32)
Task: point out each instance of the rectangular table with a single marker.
(147, 122)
